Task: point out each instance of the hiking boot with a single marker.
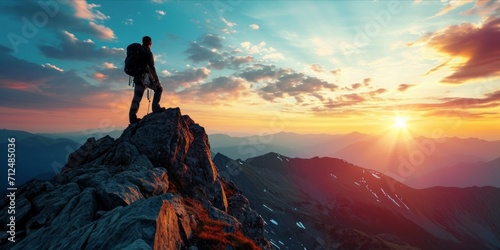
(158, 109)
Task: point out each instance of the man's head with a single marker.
(147, 42)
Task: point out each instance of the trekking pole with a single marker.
(149, 99)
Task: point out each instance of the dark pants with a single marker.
(138, 93)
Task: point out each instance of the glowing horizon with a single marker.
(244, 68)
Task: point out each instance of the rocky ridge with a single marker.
(155, 187)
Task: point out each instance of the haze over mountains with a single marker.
(324, 202)
(37, 156)
(405, 159)
(41, 156)
(420, 162)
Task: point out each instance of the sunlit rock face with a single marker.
(130, 193)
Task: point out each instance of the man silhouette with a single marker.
(139, 85)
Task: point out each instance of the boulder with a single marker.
(130, 193)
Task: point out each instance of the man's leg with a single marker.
(134, 107)
(157, 97)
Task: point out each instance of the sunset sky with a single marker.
(257, 67)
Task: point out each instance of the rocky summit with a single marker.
(155, 187)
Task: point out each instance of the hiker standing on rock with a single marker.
(140, 62)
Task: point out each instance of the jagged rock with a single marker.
(90, 151)
(23, 209)
(116, 194)
(253, 223)
(77, 213)
(91, 178)
(178, 144)
(217, 214)
(139, 244)
(150, 182)
(49, 205)
(82, 175)
(112, 194)
(122, 155)
(154, 221)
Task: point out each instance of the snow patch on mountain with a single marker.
(299, 224)
(389, 196)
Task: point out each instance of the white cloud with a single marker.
(71, 48)
(246, 45)
(254, 26)
(268, 53)
(128, 21)
(159, 58)
(48, 65)
(229, 24)
(253, 49)
(70, 36)
(228, 31)
(160, 12)
(109, 65)
(102, 31)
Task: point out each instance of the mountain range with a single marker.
(37, 156)
(157, 187)
(418, 162)
(461, 175)
(403, 158)
(329, 203)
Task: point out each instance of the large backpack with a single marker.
(135, 62)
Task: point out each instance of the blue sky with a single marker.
(323, 66)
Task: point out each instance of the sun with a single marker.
(400, 122)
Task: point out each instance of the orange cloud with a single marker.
(317, 68)
(89, 12)
(452, 5)
(484, 8)
(455, 113)
(462, 107)
(100, 76)
(477, 44)
(102, 31)
(403, 87)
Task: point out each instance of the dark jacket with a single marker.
(150, 62)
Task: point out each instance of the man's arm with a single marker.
(151, 65)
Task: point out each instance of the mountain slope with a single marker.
(330, 203)
(461, 175)
(410, 158)
(38, 156)
(399, 156)
(284, 143)
(155, 187)
(82, 136)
